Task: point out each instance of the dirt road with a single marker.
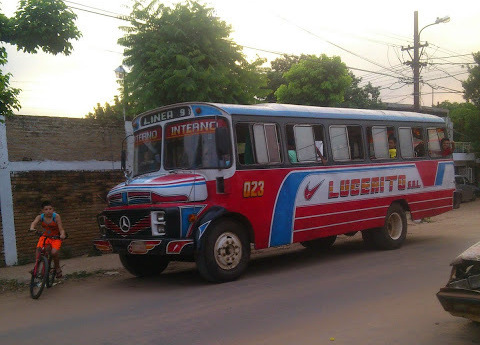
(350, 295)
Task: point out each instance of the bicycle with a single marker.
(44, 272)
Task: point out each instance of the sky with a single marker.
(367, 35)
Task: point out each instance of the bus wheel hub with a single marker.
(228, 251)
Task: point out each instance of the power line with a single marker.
(98, 13)
(334, 44)
(93, 8)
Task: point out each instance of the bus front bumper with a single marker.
(163, 246)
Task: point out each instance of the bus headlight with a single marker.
(160, 217)
(158, 223)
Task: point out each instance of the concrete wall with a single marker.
(72, 162)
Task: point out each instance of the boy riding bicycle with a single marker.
(51, 224)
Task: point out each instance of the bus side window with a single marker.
(291, 147)
(305, 143)
(382, 142)
(406, 142)
(355, 141)
(244, 144)
(267, 146)
(418, 142)
(320, 146)
(339, 143)
(435, 136)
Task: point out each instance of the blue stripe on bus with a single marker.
(205, 110)
(441, 172)
(281, 230)
(185, 213)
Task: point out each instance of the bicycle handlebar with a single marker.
(40, 234)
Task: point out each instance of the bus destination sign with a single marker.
(174, 113)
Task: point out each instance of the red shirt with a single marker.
(50, 229)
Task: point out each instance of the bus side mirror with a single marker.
(124, 160)
(222, 141)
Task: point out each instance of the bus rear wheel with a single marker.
(393, 233)
(319, 244)
(224, 252)
(144, 265)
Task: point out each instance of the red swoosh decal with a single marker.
(308, 193)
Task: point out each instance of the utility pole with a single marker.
(415, 63)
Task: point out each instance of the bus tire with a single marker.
(144, 265)
(394, 231)
(320, 244)
(224, 252)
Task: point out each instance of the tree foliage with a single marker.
(8, 95)
(466, 122)
(472, 84)
(320, 81)
(107, 114)
(366, 97)
(184, 54)
(37, 24)
(275, 77)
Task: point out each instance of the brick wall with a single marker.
(76, 195)
(41, 138)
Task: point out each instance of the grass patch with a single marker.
(11, 285)
(79, 275)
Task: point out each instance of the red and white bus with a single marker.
(209, 180)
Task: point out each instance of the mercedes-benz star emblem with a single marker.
(124, 224)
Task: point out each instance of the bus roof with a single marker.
(288, 110)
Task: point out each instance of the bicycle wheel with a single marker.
(39, 277)
(52, 272)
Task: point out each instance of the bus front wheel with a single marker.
(224, 252)
(392, 234)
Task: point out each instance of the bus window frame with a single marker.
(361, 142)
(345, 131)
(253, 140)
(439, 149)
(401, 140)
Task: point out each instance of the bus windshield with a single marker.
(191, 145)
(147, 153)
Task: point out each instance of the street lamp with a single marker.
(127, 156)
(416, 56)
(120, 74)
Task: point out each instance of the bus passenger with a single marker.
(392, 147)
(447, 147)
(292, 154)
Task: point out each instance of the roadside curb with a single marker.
(83, 264)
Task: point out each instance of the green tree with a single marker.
(320, 81)
(8, 95)
(185, 54)
(471, 86)
(275, 74)
(466, 122)
(108, 113)
(366, 97)
(37, 24)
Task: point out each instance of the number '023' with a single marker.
(252, 189)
